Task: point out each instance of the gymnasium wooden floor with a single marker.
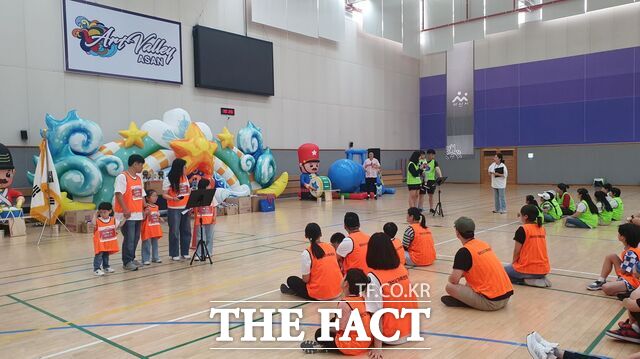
(51, 305)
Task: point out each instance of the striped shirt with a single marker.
(408, 237)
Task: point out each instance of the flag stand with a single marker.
(47, 196)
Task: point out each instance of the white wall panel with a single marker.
(302, 17)
(331, 19)
(562, 9)
(372, 18)
(501, 23)
(593, 5)
(438, 13)
(270, 12)
(437, 40)
(392, 20)
(411, 27)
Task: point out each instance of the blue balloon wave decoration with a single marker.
(247, 163)
(79, 176)
(72, 135)
(266, 168)
(249, 140)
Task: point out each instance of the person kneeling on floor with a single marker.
(488, 286)
(530, 260)
(629, 236)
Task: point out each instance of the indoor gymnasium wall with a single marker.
(363, 89)
(573, 82)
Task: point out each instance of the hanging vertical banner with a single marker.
(460, 100)
(99, 39)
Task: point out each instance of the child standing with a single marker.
(566, 202)
(205, 217)
(105, 239)
(151, 230)
(629, 236)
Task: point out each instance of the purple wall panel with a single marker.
(592, 98)
(433, 107)
(433, 131)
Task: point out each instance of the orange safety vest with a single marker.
(325, 278)
(207, 213)
(105, 237)
(358, 256)
(422, 251)
(151, 224)
(635, 282)
(400, 249)
(132, 198)
(394, 297)
(533, 258)
(184, 189)
(487, 275)
(355, 303)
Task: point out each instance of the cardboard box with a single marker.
(255, 203)
(154, 185)
(243, 203)
(75, 220)
(232, 210)
(87, 227)
(221, 211)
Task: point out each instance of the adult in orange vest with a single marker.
(417, 240)
(177, 189)
(352, 251)
(530, 264)
(321, 275)
(390, 229)
(389, 287)
(488, 286)
(622, 264)
(129, 206)
(355, 281)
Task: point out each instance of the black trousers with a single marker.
(567, 211)
(371, 185)
(299, 287)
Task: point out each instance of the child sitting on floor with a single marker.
(629, 236)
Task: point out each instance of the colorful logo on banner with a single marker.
(96, 39)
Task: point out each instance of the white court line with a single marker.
(153, 326)
(482, 231)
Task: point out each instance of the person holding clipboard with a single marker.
(499, 173)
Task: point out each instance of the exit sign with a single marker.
(227, 111)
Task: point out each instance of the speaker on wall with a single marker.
(24, 135)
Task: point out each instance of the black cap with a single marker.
(6, 161)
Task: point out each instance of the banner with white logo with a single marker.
(460, 100)
(109, 41)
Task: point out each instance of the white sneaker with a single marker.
(541, 340)
(146, 263)
(98, 272)
(175, 258)
(538, 350)
(186, 257)
(109, 270)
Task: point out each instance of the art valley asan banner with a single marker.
(109, 41)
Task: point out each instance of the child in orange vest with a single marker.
(151, 231)
(105, 238)
(530, 264)
(629, 236)
(390, 229)
(206, 216)
(353, 285)
(417, 240)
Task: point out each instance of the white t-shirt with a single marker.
(121, 187)
(345, 247)
(498, 182)
(581, 207)
(306, 262)
(373, 294)
(612, 202)
(600, 207)
(371, 168)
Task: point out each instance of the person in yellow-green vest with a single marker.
(550, 207)
(618, 207)
(431, 173)
(414, 177)
(567, 204)
(586, 215)
(605, 212)
(531, 200)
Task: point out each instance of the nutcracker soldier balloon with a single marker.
(8, 196)
(309, 162)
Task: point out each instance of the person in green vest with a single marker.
(431, 173)
(605, 212)
(531, 200)
(414, 177)
(618, 211)
(564, 199)
(586, 215)
(550, 206)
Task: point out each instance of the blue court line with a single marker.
(435, 334)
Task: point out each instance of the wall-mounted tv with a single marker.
(232, 62)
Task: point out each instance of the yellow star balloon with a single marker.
(196, 150)
(226, 138)
(133, 136)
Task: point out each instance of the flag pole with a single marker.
(43, 133)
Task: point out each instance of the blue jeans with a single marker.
(131, 234)
(101, 259)
(517, 277)
(548, 218)
(179, 232)
(499, 201)
(208, 230)
(148, 246)
(574, 222)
